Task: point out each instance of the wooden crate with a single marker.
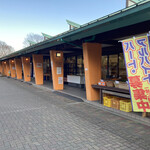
(125, 105)
(115, 103)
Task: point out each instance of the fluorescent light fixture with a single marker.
(58, 54)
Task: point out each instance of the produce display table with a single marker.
(112, 89)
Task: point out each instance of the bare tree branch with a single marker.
(33, 38)
(5, 49)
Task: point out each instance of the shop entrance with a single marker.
(74, 70)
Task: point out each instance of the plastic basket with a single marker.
(125, 105)
(107, 101)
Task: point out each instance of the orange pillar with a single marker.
(57, 68)
(38, 68)
(1, 68)
(8, 72)
(18, 65)
(12, 68)
(4, 68)
(92, 53)
(26, 68)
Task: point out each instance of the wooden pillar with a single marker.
(12, 68)
(38, 68)
(18, 66)
(7, 69)
(4, 71)
(26, 68)
(92, 53)
(0, 67)
(57, 67)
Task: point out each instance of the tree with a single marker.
(5, 49)
(31, 39)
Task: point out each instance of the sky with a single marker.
(21, 17)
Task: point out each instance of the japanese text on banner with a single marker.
(137, 57)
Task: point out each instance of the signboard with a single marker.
(39, 65)
(60, 80)
(58, 70)
(137, 57)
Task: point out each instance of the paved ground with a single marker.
(67, 89)
(32, 119)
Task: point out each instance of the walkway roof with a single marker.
(73, 24)
(46, 35)
(137, 1)
(132, 15)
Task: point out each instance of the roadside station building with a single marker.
(83, 55)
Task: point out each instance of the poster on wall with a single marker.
(137, 58)
(39, 65)
(60, 80)
(58, 70)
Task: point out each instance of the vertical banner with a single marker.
(137, 57)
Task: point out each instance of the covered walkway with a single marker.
(69, 90)
(91, 51)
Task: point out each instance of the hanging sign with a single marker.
(137, 58)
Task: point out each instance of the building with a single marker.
(87, 52)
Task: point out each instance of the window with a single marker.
(113, 66)
(70, 65)
(104, 67)
(73, 65)
(122, 68)
(80, 66)
(46, 66)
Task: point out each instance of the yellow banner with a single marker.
(137, 58)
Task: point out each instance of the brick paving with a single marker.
(33, 119)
